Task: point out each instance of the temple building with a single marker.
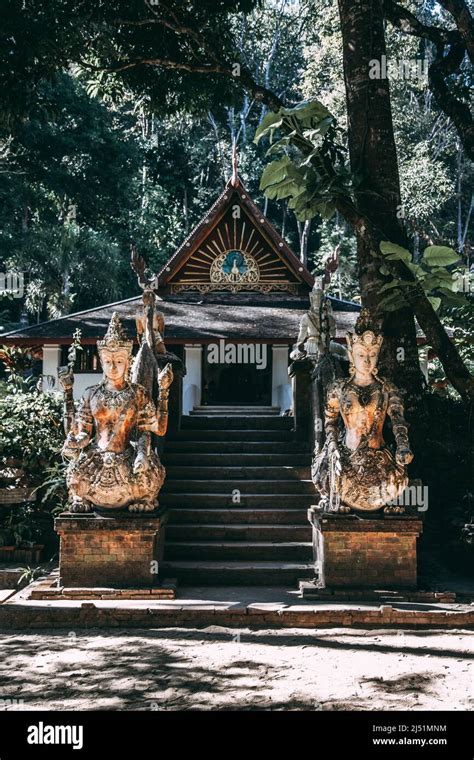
(240, 431)
(232, 296)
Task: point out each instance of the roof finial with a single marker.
(138, 265)
(234, 179)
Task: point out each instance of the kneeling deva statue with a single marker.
(355, 469)
(112, 464)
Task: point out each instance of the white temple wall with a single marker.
(281, 385)
(192, 381)
(51, 363)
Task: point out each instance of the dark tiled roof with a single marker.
(196, 317)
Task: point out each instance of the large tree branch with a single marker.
(464, 22)
(445, 63)
(441, 68)
(194, 68)
(234, 71)
(405, 20)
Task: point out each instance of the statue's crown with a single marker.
(367, 332)
(115, 338)
(367, 339)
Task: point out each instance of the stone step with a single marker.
(219, 408)
(266, 551)
(228, 485)
(228, 413)
(230, 435)
(235, 516)
(254, 612)
(265, 538)
(236, 423)
(237, 473)
(251, 501)
(239, 447)
(179, 458)
(221, 411)
(10, 574)
(233, 573)
(216, 532)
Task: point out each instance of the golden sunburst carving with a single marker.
(234, 257)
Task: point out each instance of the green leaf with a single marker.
(389, 286)
(269, 122)
(315, 136)
(282, 190)
(453, 298)
(395, 252)
(440, 255)
(419, 273)
(276, 172)
(279, 145)
(316, 133)
(433, 281)
(310, 157)
(443, 274)
(326, 208)
(435, 302)
(307, 109)
(299, 200)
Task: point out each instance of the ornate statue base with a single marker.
(370, 479)
(365, 552)
(106, 479)
(120, 551)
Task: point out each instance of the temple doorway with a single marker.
(237, 383)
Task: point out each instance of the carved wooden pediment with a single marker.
(234, 248)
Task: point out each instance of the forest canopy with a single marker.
(118, 120)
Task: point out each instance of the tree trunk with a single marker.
(304, 230)
(459, 198)
(185, 209)
(373, 154)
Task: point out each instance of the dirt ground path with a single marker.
(221, 668)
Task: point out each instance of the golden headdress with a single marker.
(115, 338)
(366, 332)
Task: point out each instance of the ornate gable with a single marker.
(235, 248)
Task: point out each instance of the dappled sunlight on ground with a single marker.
(222, 668)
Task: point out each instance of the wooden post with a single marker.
(300, 372)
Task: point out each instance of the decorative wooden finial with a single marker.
(138, 265)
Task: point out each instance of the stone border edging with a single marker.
(29, 616)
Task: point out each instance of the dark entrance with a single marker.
(237, 383)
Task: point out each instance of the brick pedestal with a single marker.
(114, 552)
(360, 552)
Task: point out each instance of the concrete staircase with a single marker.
(238, 488)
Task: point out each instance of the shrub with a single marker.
(31, 436)
(31, 432)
